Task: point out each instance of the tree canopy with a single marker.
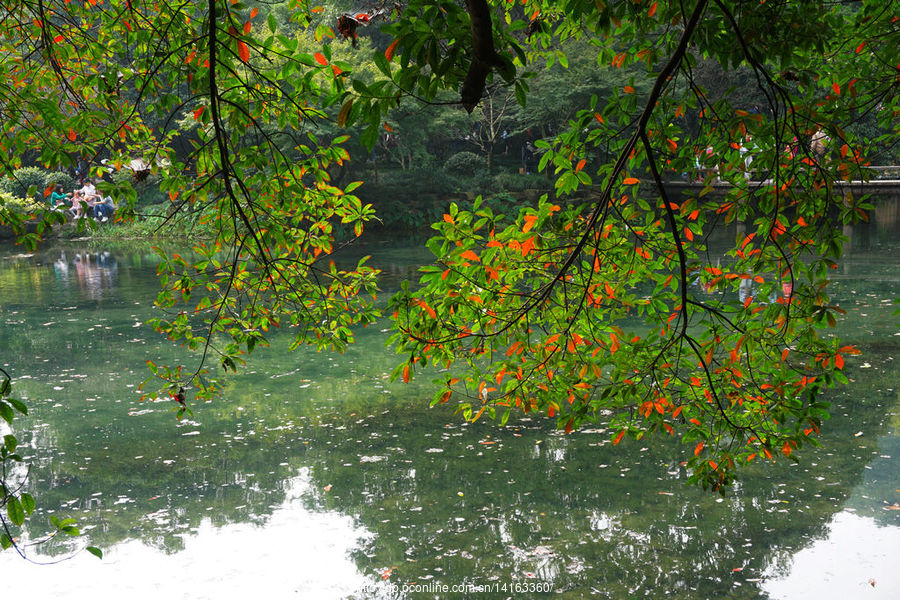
(618, 297)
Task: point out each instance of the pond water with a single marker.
(314, 477)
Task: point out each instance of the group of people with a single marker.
(84, 201)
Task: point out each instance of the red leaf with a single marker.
(254, 12)
(72, 135)
(58, 39)
(839, 361)
(243, 51)
(320, 58)
(836, 87)
(49, 190)
(389, 53)
(652, 10)
(569, 425)
(199, 112)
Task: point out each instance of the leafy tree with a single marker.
(617, 308)
(608, 304)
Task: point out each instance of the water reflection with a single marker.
(316, 475)
(857, 558)
(296, 553)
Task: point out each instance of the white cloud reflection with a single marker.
(856, 553)
(298, 553)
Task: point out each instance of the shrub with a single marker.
(22, 179)
(59, 178)
(516, 182)
(465, 163)
(15, 203)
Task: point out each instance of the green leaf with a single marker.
(6, 412)
(18, 405)
(95, 551)
(27, 503)
(15, 511)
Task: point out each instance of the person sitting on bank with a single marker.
(77, 209)
(58, 197)
(104, 209)
(90, 193)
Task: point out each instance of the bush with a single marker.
(60, 178)
(24, 178)
(15, 203)
(465, 163)
(516, 182)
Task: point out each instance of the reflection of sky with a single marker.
(856, 553)
(297, 554)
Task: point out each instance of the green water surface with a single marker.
(315, 477)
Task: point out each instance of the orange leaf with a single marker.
(652, 10)
(247, 26)
(320, 58)
(631, 180)
(527, 245)
(569, 424)
(389, 53)
(836, 87)
(469, 255)
(406, 374)
(839, 361)
(49, 190)
(448, 218)
(529, 223)
(72, 135)
(699, 449)
(254, 12)
(428, 309)
(243, 51)
(689, 234)
(580, 165)
(619, 437)
(628, 89)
